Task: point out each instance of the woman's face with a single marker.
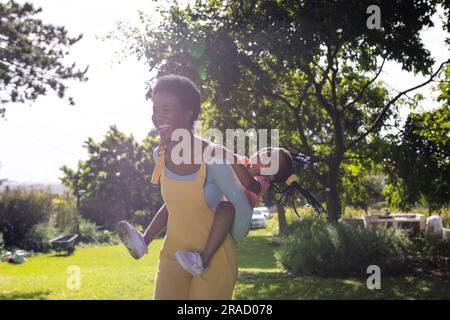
(169, 114)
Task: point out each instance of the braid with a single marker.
(305, 199)
(300, 158)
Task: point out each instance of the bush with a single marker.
(87, 231)
(38, 237)
(107, 236)
(141, 218)
(316, 248)
(20, 210)
(2, 244)
(430, 246)
(64, 213)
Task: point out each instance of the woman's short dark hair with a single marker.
(183, 88)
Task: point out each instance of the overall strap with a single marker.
(159, 166)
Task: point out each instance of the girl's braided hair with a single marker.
(294, 191)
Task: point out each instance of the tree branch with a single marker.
(348, 105)
(307, 150)
(390, 103)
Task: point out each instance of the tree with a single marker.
(115, 180)
(418, 159)
(309, 68)
(418, 162)
(20, 210)
(363, 187)
(31, 55)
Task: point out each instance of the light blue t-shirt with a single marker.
(221, 181)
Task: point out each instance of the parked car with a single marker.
(265, 211)
(258, 219)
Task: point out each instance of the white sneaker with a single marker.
(191, 262)
(132, 239)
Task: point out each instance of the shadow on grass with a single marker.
(279, 286)
(256, 246)
(61, 255)
(15, 295)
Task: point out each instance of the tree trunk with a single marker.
(333, 205)
(333, 198)
(282, 224)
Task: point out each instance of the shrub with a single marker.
(430, 246)
(20, 210)
(315, 248)
(87, 231)
(141, 218)
(107, 236)
(2, 243)
(38, 237)
(64, 213)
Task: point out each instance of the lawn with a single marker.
(108, 272)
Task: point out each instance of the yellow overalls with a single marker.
(188, 226)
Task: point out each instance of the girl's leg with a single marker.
(223, 219)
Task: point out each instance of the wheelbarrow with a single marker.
(64, 243)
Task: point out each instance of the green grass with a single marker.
(108, 272)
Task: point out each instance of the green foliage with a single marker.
(32, 55)
(319, 249)
(417, 162)
(20, 210)
(87, 231)
(115, 179)
(38, 237)
(107, 236)
(64, 213)
(2, 243)
(361, 188)
(430, 246)
(90, 233)
(141, 218)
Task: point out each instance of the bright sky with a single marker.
(38, 138)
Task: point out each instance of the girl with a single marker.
(249, 173)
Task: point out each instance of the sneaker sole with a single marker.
(124, 235)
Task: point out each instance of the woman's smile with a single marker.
(164, 129)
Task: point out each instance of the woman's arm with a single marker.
(225, 179)
(157, 225)
(159, 222)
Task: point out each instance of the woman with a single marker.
(191, 193)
